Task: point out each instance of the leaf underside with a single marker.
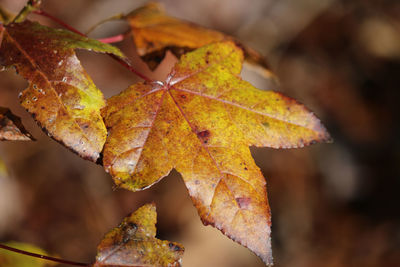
(155, 33)
(60, 96)
(133, 243)
(201, 121)
(11, 128)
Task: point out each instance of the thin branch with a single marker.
(123, 62)
(58, 21)
(112, 39)
(43, 256)
(129, 66)
(115, 17)
(31, 6)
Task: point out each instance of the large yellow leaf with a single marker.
(201, 121)
(155, 32)
(133, 243)
(60, 96)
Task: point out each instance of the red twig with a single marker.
(123, 62)
(112, 39)
(43, 256)
(58, 21)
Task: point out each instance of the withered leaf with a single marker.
(133, 243)
(11, 128)
(155, 32)
(201, 121)
(61, 96)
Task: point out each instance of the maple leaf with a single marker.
(155, 32)
(60, 96)
(133, 243)
(11, 128)
(201, 121)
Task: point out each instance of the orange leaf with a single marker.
(155, 32)
(133, 243)
(11, 128)
(60, 96)
(201, 121)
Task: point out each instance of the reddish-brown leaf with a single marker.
(201, 121)
(133, 243)
(155, 32)
(11, 128)
(60, 96)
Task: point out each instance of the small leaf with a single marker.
(155, 32)
(12, 259)
(133, 243)
(201, 121)
(61, 96)
(11, 128)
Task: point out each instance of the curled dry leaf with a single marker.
(155, 32)
(133, 243)
(11, 128)
(61, 96)
(201, 121)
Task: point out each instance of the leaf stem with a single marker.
(112, 39)
(43, 256)
(123, 62)
(30, 7)
(58, 21)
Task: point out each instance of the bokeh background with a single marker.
(332, 204)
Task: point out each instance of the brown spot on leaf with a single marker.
(204, 135)
(243, 202)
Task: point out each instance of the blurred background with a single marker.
(332, 204)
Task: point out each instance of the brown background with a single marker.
(332, 204)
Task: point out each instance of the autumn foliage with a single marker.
(133, 243)
(200, 121)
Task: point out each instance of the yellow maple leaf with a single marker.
(201, 121)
